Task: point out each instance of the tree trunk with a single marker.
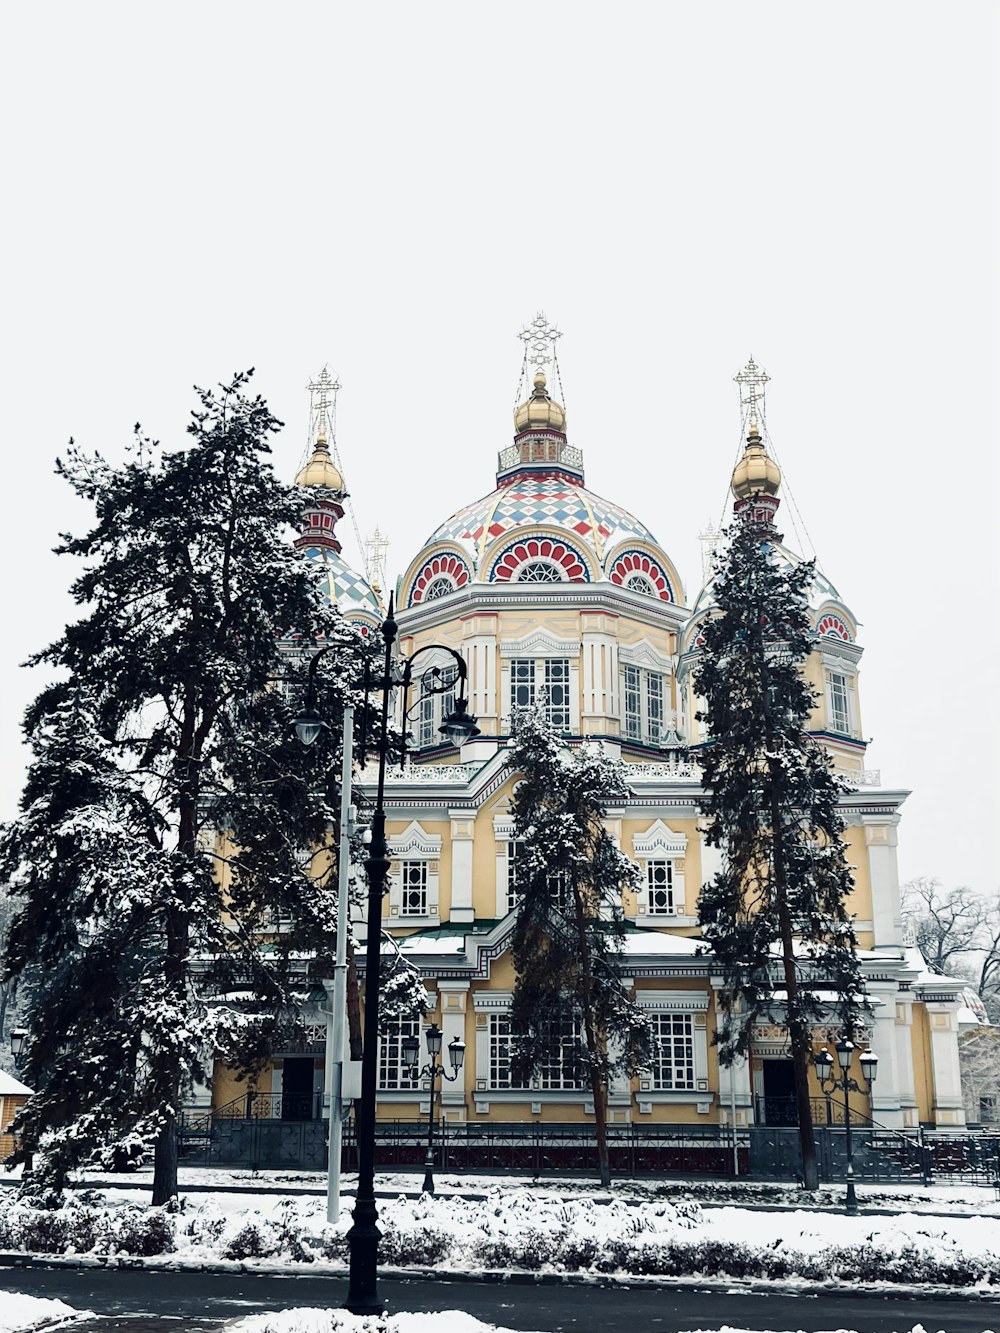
(165, 1163)
(353, 1006)
(599, 1089)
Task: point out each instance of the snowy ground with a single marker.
(513, 1229)
(705, 1190)
(20, 1313)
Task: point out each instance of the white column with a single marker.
(887, 917)
(905, 1084)
(453, 1004)
(949, 1106)
(886, 1106)
(461, 866)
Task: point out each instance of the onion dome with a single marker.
(540, 411)
(756, 473)
(320, 470)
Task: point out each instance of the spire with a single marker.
(540, 421)
(756, 477)
(320, 469)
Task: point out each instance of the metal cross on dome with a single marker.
(322, 397)
(751, 379)
(539, 338)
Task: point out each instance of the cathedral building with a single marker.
(560, 599)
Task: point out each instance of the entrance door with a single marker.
(297, 1099)
(779, 1094)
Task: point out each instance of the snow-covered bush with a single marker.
(251, 1238)
(133, 1229)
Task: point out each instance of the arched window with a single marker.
(639, 583)
(539, 571)
(439, 587)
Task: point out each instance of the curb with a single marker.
(518, 1278)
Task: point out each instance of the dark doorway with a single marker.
(777, 1106)
(297, 1100)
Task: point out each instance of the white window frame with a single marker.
(838, 684)
(540, 647)
(432, 711)
(414, 844)
(393, 1075)
(654, 886)
(693, 1007)
(643, 723)
(674, 1031)
(656, 844)
(542, 1089)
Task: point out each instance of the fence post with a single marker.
(925, 1157)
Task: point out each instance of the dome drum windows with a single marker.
(640, 572)
(540, 560)
(442, 574)
(833, 627)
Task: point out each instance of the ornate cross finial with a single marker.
(710, 537)
(375, 548)
(751, 380)
(322, 404)
(539, 338)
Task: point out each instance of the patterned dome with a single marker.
(541, 501)
(348, 591)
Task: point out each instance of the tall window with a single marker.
(561, 1068)
(673, 1064)
(643, 704)
(561, 889)
(633, 704)
(545, 681)
(433, 710)
(513, 887)
(840, 719)
(500, 1051)
(414, 900)
(393, 1076)
(660, 888)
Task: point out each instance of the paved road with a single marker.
(141, 1301)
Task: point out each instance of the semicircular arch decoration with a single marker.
(834, 628)
(539, 560)
(441, 574)
(641, 572)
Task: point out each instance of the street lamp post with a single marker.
(364, 1235)
(825, 1068)
(432, 1070)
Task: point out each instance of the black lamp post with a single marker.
(364, 1235)
(432, 1070)
(824, 1064)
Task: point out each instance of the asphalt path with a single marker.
(141, 1301)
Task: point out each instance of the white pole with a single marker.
(732, 1117)
(336, 1020)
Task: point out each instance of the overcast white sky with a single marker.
(396, 189)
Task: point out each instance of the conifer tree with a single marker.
(161, 827)
(771, 803)
(568, 938)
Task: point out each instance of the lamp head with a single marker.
(845, 1053)
(308, 726)
(456, 1053)
(433, 1035)
(17, 1040)
(459, 727)
(869, 1065)
(823, 1064)
(410, 1047)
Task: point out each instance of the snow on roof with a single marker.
(10, 1087)
(651, 941)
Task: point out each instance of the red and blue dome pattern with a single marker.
(570, 564)
(545, 500)
(640, 570)
(834, 627)
(446, 567)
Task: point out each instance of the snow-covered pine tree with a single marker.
(771, 804)
(568, 938)
(164, 729)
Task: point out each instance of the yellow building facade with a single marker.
(559, 599)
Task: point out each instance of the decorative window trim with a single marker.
(634, 561)
(446, 564)
(643, 654)
(527, 652)
(414, 844)
(539, 643)
(661, 843)
(527, 550)
(848, 716)
(695, 1005)
(835, 627)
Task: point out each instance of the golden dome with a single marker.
(540, 412)
(755, 473)
(321, 470)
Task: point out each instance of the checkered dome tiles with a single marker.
(541, 501)
(347, 590)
